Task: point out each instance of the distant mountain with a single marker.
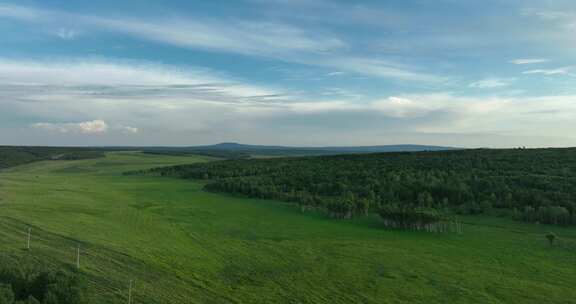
(237, 146)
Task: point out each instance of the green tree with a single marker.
(551, 237)
(6, 294)
(30, 300)
(425, 199)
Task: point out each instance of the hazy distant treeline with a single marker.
(536, 185)
(13, 155)
(211, 153)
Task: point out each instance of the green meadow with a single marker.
(181, 244)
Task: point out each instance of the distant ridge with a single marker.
(232, 150)
(230, 146)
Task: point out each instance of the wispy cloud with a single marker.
(19, 12)
(275, 40)
(123, 78)
(491, 83)
(377, 67)
(557, 71)
(529, 61)
(67, 34)
(249, 38)
(236, 36)
(128, 129)
(333, 74)
(550, 14)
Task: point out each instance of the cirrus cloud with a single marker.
(490, 83)
(529, 61)
(274, 40)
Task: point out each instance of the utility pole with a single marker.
(28, 239)
(130, 293)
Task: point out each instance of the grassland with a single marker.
(183, 245)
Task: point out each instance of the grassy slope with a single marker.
(183, 245)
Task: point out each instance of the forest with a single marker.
(24, 283)
(11, 156)
(411, 189)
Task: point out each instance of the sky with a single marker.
(465, 73)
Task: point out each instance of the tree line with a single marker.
(534, 185)
(11, 156)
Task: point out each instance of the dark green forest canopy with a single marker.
(11, 156)
(22, 281)
(536, 185)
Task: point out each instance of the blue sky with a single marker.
(496, 73)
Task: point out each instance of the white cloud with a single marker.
(67, 34)
(85, 127)
(529, 61)
(97, 126)
(332, 74)
(94, 126)
(521, 116)
(558, 71)
(465, 114)
(491, 83)
(128, 129)
(401, 107)
(315, 107)
(423, 105)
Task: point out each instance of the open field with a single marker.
(184, 245)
